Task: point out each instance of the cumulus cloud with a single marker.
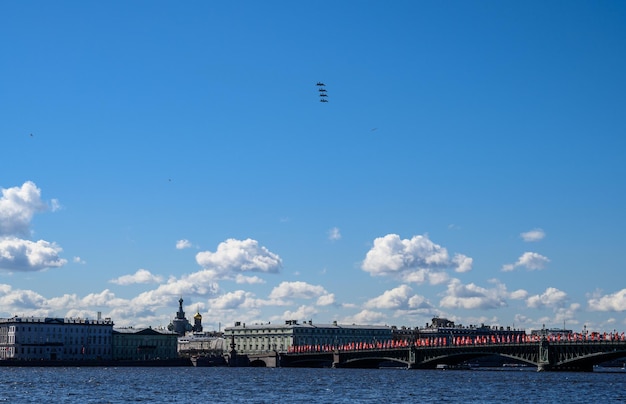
(519, 294)
(334, 234)
(18, 205)
(236, 256)
(552, 298)
(400, 298)
(462, 263)
(138, 311)
(231, 300)
(17, 208)
(416, 260)
(29, 303)
(533, 235)
(250, 280)
(471, 296)
(182, 244)
(201, 283)
(611, 302)
(567, 314)
(326, 300)
(141, 276)
(530, 260)
(297, 290)
(25, 255)
(366, 317)
(303, 312)
(23, 301)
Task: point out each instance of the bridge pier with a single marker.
(543, 362)
(336, 359)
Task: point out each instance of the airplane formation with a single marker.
(322, 91)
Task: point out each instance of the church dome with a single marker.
(198, 316)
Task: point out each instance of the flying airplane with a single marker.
(323, 95)
(319, 83)
(322, 90)
(323, 100)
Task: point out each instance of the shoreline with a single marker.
(175, 362)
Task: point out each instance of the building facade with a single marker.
(46, 338)
(448, 330)
(144, 344)
(258, 338)
(203, 343)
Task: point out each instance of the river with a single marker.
(290, 385)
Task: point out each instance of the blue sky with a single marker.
(470, 162)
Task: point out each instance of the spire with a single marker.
(181, 313)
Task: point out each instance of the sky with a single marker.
(470, 162)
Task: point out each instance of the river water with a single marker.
(290, 385)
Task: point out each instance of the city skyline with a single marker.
(469, 162)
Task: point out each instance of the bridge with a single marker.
(543, 353)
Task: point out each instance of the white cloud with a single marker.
(25, 255)
(29, 303)
(231, 300)
(78, 260)
(567, 314)
(334, 234)
(250, 280)
(519, 294)
(472, 296)
(182, 244)
(533, 235)
(106, 298)
(611, 302)
(297, 290)
(234, 256)
(400, 298)
(391, 299)
(201, 283)
(20, 301)
(462, 263)
(365, 317)
(415, 260)
(55, 205)
(529, 260)
(552, 297)
(141, 276)
(17, 207)
(326, 300)
(301, 313)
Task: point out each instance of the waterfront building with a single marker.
(204, 343)
(47, 338)
(144, 344)
(258, 338)
(444, 328)
(554, 332)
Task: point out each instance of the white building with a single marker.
(203, 343)
(39, 338)
(259, 338)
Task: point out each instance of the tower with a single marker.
(180, 324)
(197, 322)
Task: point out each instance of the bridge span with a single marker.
(544, 354)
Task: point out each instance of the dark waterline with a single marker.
(268, 385)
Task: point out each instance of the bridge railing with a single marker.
(452, 341)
